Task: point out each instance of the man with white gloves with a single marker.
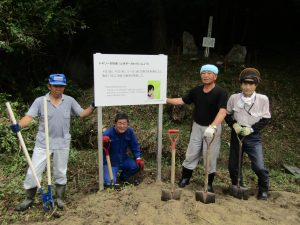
(248, 113)
(210, 102)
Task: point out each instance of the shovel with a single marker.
(174, 193)
(107, 141)
(49, 203)
(46, 199)
(236, 190)
(205, 196)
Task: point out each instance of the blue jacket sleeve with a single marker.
(134, 146)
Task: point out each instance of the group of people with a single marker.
(246, 113)
(60, 109)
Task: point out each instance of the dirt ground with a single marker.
(142, 205)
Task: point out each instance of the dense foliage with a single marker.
(27, 24)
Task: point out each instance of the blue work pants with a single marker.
(129, 167)
(253, 147)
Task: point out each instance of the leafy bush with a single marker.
(8, 140)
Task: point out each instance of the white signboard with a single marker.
(130, 79)
(208, 42)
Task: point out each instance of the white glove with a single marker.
(209, 131)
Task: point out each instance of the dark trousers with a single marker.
(253, 147)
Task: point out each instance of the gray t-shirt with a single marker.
(58, 120)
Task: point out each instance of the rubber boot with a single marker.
(262, 195)
(263, 184)
(210, 182)
(242, 184)
(186, 176)
(30, 194)
(60, 195)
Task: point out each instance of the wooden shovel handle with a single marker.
(173, 151)
(13, 120)
(207, 166)
(47, 140)
(173, 169)
(109, 168)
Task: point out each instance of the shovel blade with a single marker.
(47, 199)
(205, 197)
(239, 192)
(166, 195)
(176, 194)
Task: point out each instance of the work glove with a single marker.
(209, 131)
(237, 128)
(93, 105)
(245, 131)
(15, 128)
(140, 163)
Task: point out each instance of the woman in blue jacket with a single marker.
(122, 137)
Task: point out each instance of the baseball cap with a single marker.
(57, 79)
(250, 75)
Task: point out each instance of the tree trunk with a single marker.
(159, 28)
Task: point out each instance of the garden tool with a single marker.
(236, 190)
(205, 196)
(107, 141)
(174, 193)
(49, 203)
(45, 197)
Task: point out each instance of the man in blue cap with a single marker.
(210, 102)
(60, 109)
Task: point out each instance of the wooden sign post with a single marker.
(208, 42)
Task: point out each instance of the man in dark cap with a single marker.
(247, 113)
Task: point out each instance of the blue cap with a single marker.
(57, 79)
(210, 68)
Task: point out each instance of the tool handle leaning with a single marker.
(109, 168)
(173, 169)
(207, 166)
(47, 140)
(13, 120)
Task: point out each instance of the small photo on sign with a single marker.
(153, 89)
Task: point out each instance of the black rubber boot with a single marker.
(30, 194)
(263, 184)
(60, 195)
(242, 184)
(210, 182)
(186, 176)
(262, 195)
